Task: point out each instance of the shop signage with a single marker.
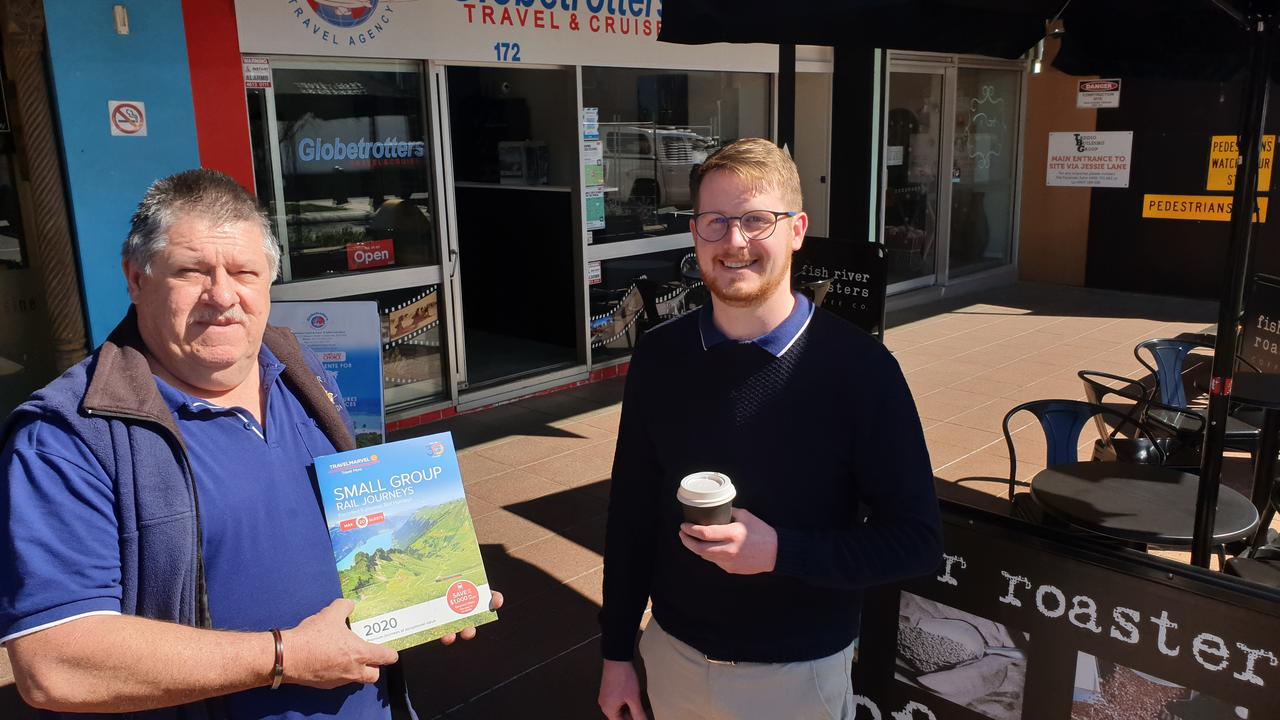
(1260, 331)
(858, 274)
(323, 153)
(1098, 93)
(594, 201)
(347, 337)
(320, 149)
(128, 118)
(1089, 159)
(257, 72)
(1216, 208)
(1014, 625)
(370, 254)
(619, 33)
(1223, 151)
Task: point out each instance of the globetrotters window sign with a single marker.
(1089, 159)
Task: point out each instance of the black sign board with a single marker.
(1260, 333)
(1022, 622)
(858, 273)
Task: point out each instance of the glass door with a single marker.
(913, 158)
(344, 163)
(513, 174)
(984, 170)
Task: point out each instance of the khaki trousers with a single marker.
(685, 685)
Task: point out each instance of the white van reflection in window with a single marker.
(651, 163)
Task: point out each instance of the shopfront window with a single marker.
(635, 293)
(343, 163)
(412, 343)
(26, 342)
(355, 168)
(985, 170)
(656, 125)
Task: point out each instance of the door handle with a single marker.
(453, 262)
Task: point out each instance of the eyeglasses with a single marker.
(755, 225)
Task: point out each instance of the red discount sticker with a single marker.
(463, 597)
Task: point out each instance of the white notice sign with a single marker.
(1098, 93)
(1089, 159)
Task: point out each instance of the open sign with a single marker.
(370, 254)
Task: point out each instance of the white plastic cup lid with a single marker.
(706, 489)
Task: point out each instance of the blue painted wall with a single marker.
(106, 175)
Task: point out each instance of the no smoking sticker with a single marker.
(127, 117)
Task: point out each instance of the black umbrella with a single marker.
(1187, 39)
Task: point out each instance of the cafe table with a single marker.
(1137, 502)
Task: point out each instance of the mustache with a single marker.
(234, 314)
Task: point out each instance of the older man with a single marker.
(811, 419)
(164, 545)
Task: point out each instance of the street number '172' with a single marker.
(507, 52)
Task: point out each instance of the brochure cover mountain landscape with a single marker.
(403, 540)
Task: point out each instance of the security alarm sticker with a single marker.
(257, 72)
(403, 541)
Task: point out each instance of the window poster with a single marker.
(347, 337)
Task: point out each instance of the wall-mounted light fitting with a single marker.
(121, 17)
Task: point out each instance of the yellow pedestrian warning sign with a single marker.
(1196, 207)
(1222, 163)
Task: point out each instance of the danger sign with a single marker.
(127, 117)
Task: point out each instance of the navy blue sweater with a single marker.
(805, 437)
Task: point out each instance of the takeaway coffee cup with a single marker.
(707, 498)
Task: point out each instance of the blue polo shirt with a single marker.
(267, 556)
(775, 342)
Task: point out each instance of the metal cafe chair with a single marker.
(815, 290)
(1178, 433)
(1170, 359)
(1062, 422)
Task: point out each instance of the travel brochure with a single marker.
(403, 541)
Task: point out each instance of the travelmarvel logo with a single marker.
(353, 463)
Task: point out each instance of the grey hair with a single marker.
(206, 194)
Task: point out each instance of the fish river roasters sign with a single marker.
(1006, 628)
